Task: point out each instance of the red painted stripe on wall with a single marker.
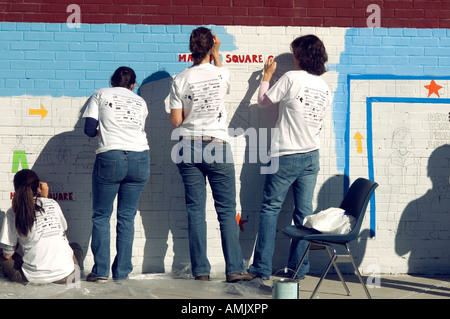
(323, 13)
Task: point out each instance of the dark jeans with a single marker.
(125, 175)
(299, 171)
(209, 160)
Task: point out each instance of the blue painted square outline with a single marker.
(369, 128)
(369, 101)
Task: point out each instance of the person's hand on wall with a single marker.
(269, 69)
(43, 189)
(215, 51)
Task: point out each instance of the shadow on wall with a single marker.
(65, 163)
(423, 233)
(162, 205)
(248, 116)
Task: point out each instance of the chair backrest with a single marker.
(355, 203)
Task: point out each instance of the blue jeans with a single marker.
(124, 174)
(210, 161)
(300, 171)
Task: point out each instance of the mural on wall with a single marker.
(390, 122)
(393, 93)
(405, 131)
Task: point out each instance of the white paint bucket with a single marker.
(285, 289)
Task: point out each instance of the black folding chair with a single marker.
(354, 203)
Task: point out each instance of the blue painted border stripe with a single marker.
(408, 100)
(370, 162)
(395, 77)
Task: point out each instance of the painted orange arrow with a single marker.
(42, 112)
(358, 137)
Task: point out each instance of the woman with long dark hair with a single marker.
(198, 110)
(37, 225)
(116, 115)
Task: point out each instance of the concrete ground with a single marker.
(165, 286)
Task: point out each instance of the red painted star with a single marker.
(240, 221)
(433, 88)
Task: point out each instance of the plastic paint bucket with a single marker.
(285, 289)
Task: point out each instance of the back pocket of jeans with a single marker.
(143, 169)
(106, 168)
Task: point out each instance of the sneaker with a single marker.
(93, 278)
(240, 277)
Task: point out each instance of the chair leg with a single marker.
(358, 274)
(301, 261)
(332, 259)
(338, 271)
(333, 256)
(333, 262)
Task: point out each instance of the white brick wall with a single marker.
(57, 147)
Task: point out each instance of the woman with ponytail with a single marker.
(197, 103)
(36, 225)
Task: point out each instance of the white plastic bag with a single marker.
(330, 221)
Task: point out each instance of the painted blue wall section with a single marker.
(51, 59)
(399, 52)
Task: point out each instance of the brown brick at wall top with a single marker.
(329, 13)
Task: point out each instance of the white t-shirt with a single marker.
(304, 99)
(200, 91)
(47, 256)
(121, 115)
